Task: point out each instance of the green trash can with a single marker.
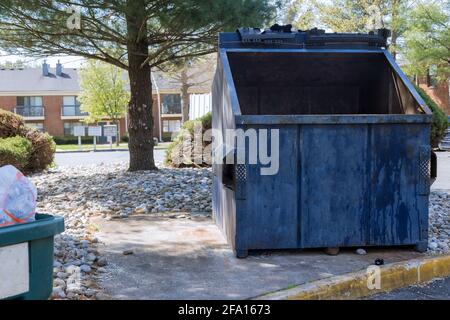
(26, 258)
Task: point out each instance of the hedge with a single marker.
(64, 140)
(15, 151)
(440, 120)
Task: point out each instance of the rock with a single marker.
(128, 252)
(62, 275)
(361, 251)
(74, 289)
(102, 262)
(58, 282)
(89, 293)
(91, 257)
(85, 268)
(58, 293)
(332, 251)
(84, 243)
(72, 269)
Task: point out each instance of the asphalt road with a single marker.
(436, 290)
(92, 158)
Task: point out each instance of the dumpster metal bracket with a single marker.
(424, 170)
(241, 179)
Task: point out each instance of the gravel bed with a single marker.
(110, 191)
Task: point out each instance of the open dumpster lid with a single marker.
(284, 37)
(353, 70)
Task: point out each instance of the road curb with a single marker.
(354, 285)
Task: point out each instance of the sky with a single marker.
(67, 61)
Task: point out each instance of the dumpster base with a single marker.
(421, 247)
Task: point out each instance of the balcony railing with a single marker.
(30, 112)
(72, 111)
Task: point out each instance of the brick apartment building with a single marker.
(47, 99)
(438, 91)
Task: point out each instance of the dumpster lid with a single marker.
(284, 37)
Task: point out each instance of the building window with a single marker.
(36, 126)
(70, 101)
(171, 125)
(71, 107)
(171, 104)
(29, 107)
(29, 101)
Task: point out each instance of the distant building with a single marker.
(47, 99)
(439, 91)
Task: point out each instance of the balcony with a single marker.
(72, 112)
(31, 113)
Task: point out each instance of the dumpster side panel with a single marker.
(224, 109)
(334, 169)
(269, 215)
(339, 186)
(398, 206)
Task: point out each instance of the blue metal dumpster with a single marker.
(354, 142)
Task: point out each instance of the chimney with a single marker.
(59, 69)
(45, 70)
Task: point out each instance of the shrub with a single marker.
(42, 145)
(43, 150)
(11, 125)
(64, 140)
(440, 120)
(15, 151)
(183, 144)
(125, 138)
(167, 136)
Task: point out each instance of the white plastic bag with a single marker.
(17, 197)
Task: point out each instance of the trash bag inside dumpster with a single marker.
(17, 197)
(319, 83)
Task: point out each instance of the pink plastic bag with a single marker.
(17, 197)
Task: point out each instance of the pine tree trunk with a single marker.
(185, 93)
(185, 101)
(140, 124)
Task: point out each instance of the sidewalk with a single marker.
(189, 259)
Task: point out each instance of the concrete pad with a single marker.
(187, 259)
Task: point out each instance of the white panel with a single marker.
(14, 275)
(200, 104)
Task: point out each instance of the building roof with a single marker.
(31, 81)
